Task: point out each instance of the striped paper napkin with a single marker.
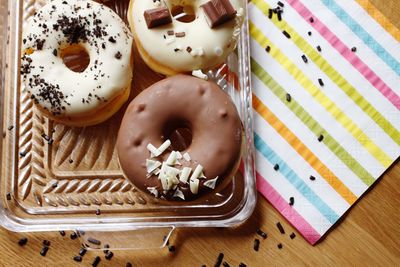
(326, 81)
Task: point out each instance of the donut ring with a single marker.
(181, 101)
(77, 98)
(193, 46)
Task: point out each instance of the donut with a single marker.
(176, 44)
(148, 154)
(77, 98)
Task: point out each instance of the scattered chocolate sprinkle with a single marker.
(73, 236)
(270, 13)
(82, 251)
(276, 167)
(280, 228)
(71, 161)
(109, 255)
(94, 241)
(286, 34)
(118, 55)
(311, 19)
(170, 32)
(55, 52)
(22, 154)
(8, 196)
(78, 258)
(96, 261)
(10, 127)
(268, 49)
(256, 244)
(106, 246)
(280, 4)
(353, 49)
(319, 48)
(321, 82)
(304, 58)
(309, 33)
(320, 138)
(242, 265)
(46, 243)
(128, 264)
(288, 97)
(225, 264)
(98, 212)
(62, 233)
(176, 49)
(280, 246)
(279, 14)
(171, 248)
(291, 201)
(312, 178)
(44, 250)
(22, 242)
(112, 40)
(219, 260)
(189, 49)
(261, 233)
(180, 34)
(292, 235)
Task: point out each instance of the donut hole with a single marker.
(183, 13)
(179, 133)
(75, 57)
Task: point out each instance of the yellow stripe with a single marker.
(380, 18)
(334, 75)
(318, 95)
(303, 151)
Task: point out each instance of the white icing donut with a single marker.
(201, 47)
(60, 25)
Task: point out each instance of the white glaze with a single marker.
(115, 74)
(210, 47)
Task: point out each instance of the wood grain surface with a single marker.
(368, 236)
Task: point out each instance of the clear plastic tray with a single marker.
(60, 185)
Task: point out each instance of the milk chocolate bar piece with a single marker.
(218, 12)
(157, 16)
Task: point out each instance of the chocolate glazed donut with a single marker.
(181, 101)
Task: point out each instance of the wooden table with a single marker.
(369, 235)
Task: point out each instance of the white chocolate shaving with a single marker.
(152, 165)
(186, 156)
(184, 176)
(157, 171)
(164, 146)
(196, 173)
(211, 183)
(200, 74)
(153, 150)
(179, 193)
(202, 176)
(178, 155)
(171, 159)
(194, 186)
(153, 191)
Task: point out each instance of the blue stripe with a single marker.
(363, 35)
(295, 180)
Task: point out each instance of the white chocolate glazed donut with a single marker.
(77, 98)
(169, 54)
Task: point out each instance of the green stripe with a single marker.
(312, 124)
(335, 76)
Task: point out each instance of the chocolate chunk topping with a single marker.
(157, 16)
(218, 12)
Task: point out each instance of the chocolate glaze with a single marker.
(181, 101)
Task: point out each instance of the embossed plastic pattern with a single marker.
(54, 177)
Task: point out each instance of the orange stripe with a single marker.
(303, 151)
(380, 18)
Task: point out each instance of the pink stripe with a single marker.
(346, 53)
(309, 233)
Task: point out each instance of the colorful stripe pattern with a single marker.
(327, 115)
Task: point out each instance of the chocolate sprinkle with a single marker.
(320, 138)
(312, 178)
(128, 264)
(106, 246)
(280, 4)
(309, 33)
(288, 97)
(96, 261)
(171, 248)
(118, 55)
(44, 250)
(291, 201)
(270, 13)
(82, 251)
(321, 82)
(279, 14)
(305, 59)
(311, 19)
(62, 233)
(71, 161)
(276, 167)
(256, 244)
(268, 49)
(8, 196)
(219, 260)
(170, 32)
(280, 228)
(22, 242)
(319, 48)
(109, 255)
(225, 264)
(180, 34)
(46, 243)
(280, 246)
(98, 212)
(10, 127)
(94, 241)
(242, 265)
(353, 49)
(73, 236)
(189, 49)
(262, 233)
(78, 258)
(292, 235)
(286, 34)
